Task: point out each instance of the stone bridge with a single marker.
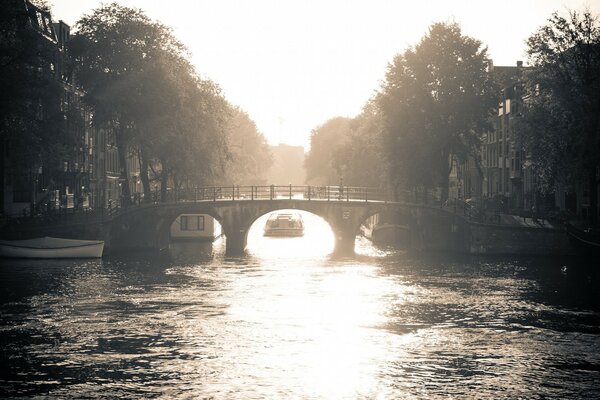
(237, 208)
(428, 226)
(148, 226)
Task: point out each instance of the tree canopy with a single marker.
(325, 142)
(358, 157)
(435, 103)
(250, 155)
(561, 120)
(140, 84)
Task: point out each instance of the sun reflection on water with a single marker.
(290, 324)
(324, 320)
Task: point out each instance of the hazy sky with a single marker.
(293, 64)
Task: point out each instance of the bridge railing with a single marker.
(274, 192)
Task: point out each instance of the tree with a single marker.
(561, 119)
(435, 103)
(359, 158)
(181, 126)
(251, 156)
(118, 51)
(325, 141)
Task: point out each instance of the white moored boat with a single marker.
(284, 224)
(49, 247)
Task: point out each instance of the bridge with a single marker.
(430, 226)
(236, 208)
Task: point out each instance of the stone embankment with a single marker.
(435, 229)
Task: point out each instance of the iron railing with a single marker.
(257, 193)
(278, 192)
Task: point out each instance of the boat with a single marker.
(50, 247)
(284, 224)
(586, 241)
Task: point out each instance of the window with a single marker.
(200, 222)
(183, 222)
(191, 222)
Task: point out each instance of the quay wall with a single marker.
(435, 229)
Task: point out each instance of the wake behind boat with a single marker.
(50, 247)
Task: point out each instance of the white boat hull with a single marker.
(48, 247)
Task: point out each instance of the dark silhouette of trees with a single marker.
(435, 103)
(117, 52)
(561, 119)
(141, 86)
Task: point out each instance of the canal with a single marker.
(288, 320)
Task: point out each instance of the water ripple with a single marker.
(381, 325)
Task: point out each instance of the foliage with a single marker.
(140, 84)
(325, 141)
(251, 156)
(561, 122)
(435, 103)
(359, 157)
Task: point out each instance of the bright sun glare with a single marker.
(318, 239)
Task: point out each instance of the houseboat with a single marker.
(195, 227)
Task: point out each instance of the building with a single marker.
(508, 179)
(55, 105)
(88, 175)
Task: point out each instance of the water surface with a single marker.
(288, 320)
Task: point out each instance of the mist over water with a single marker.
(290, 321)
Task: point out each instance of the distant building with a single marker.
(288, 165)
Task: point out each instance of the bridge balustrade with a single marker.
(278, 192)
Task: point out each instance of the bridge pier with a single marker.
(344, 243)
(235, 242)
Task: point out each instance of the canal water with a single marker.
(288, 320)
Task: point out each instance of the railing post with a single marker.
(214, 193)
(290, 191)
(309, 192)
(272, 192)
(232, 192)
(251, 192)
